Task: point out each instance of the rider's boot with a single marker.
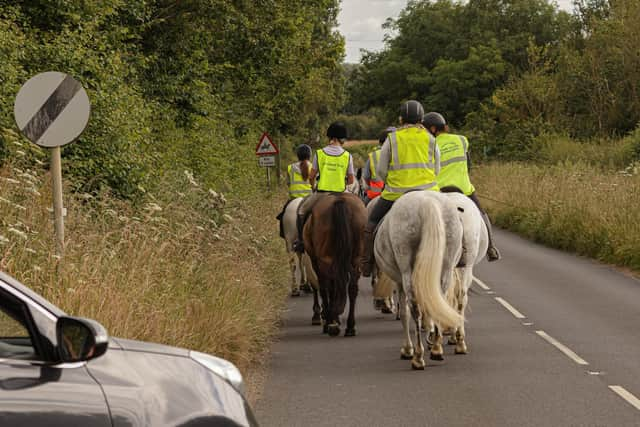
(367, 256)
(298, 244)
(492, 252)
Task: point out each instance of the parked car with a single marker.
(57, 370)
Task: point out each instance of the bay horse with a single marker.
(418, 245)
(333, 239)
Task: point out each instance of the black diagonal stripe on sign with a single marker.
(51, 109)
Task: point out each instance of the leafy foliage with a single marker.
(177, 83)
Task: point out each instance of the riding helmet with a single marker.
(411, 112)
(337, 130)
(434, 119)
(303, 152)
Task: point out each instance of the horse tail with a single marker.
(427, 269)
(343, 242)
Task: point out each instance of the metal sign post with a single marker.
(51, 110)
(266, 151)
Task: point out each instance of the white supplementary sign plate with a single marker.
(52, 109)
(266, 146)
(267, 161)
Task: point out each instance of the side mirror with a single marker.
(80, 339)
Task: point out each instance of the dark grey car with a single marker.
(57, 370)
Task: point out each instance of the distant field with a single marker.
(357, 142)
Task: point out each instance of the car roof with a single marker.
(31, 294)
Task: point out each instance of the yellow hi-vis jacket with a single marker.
(333, 171)
(298, 187)
(412, 162)
(453, 162)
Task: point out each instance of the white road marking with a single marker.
(511, 308)
(481, 284)
(620, 391)
(566, 350)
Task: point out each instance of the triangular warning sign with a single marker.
(266, 146)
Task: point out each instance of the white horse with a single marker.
(418, 245)
(302, 274)
(475, 242)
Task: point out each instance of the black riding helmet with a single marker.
(434, 119)
(411, 112)
(303, 152)
(337, 130)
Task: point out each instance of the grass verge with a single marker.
(570, 206)
(194, 270)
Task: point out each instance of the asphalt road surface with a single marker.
(554, 340)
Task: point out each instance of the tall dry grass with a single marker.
(176, 270)
(571, 206)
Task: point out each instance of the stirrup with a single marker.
(493, 254)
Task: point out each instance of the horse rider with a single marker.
(409, 161)
(297, 179)
(373, 185)
(335, 168)
(455, 163)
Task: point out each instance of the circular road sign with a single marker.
(52, 109)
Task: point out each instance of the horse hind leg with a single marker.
(406, 351)
(417, 362)
(295, 275)
(353, 294)
(316, 319)
(437, 350)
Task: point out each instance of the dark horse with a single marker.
(333, 240)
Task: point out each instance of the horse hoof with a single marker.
(350, 332)
(406, 355)
(461, 348)
(316, 321)
(436, 356)
(333, 330)
(295, 293)
(417, 366)
(386, 310)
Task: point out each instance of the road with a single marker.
(553, 341)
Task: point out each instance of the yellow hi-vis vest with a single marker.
(333, 171)
(298, 187)
(412, 163)
(453, 162)
(374, 159)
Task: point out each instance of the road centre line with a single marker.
(511, 308)
(630, 398)
(481, 284)
(566, 350)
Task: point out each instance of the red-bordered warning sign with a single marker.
(266, 147)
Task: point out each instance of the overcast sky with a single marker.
(361, 23)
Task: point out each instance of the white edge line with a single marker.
(566, 350)
(481, 284)
(620, 391)
(511, 308)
